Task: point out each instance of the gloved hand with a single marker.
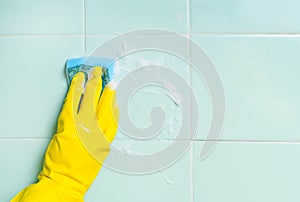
(86, 127)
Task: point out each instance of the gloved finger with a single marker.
(107, 113)
(72, 100)
(92, 91)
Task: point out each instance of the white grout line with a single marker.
(286, 35)
(246, 34)
(189, 16)
(253, 141)
(190, 83)
(170, 140)
(101, 35)
(35, 35)
(84, 27)
(24, 138)
(192, 172)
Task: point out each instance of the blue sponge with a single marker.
(86, 64)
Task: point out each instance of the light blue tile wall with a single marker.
(21, 162)
(172, 184)
(247, 171)
(260, 79)
(254, 45)
(145, 98)
(41, 17)
(241, 16)
(111, 17)
(33, 83)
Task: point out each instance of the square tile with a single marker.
(238, 16)
(170, 184)
(163, 92)
(241, 171)
(260, 78)
(111, 17)
(33, 85)
(41, 17)
(21, 162)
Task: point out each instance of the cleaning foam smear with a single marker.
(86, 65)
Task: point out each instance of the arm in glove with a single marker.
(86, 127)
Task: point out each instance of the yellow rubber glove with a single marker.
(86, 127)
